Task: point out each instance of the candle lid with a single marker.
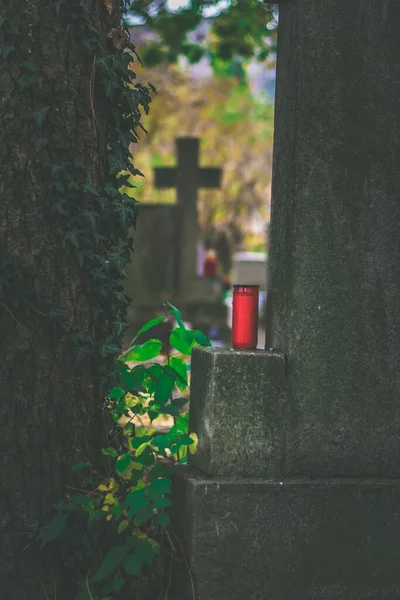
(245, 285)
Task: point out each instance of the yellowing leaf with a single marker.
(193, 447)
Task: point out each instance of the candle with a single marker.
(245, 316)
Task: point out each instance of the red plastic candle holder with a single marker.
(245, 316)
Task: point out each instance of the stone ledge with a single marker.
(236, 410)
(322, 539)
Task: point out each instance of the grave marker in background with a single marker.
(187, 178)
(165, 261)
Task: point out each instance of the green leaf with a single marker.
(133, 564)
(147, 550)
(122, 526)
(81, 465)
(159, 488)
(111, 561)
(161, 441)
(179, 401)
(162, 503)
(110, 452)
(116, 393)
(201, 339)
(146, 351)
(185, 440)
(118, 582)
(164, 389)
(178, 317)
(135, 502)
(140, 449)
(162, 519)
(123, 463)
(181, 424)
(116, 510)
(143, 516)
(54, 529)
(182, 340)
(171, 410)
(148, 326)
(179, 365)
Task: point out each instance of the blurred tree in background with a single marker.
(235, 129)
(240, 29)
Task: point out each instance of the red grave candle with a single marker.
(245, 316)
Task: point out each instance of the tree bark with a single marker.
(50, 407)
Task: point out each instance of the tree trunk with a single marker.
(50, 402)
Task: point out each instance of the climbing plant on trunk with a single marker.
(69, 108)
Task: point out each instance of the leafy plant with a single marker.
(119, 521)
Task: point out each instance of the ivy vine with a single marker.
(90, 219)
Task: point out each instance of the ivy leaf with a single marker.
(31, 63)
(146, 351)
(26, 81)
(73, 237)
(133, 564)
(80, 465)
(54, 528)
(39, 116)
(148, 326)
(40, 144)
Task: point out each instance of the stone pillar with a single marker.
(295, 491)
(334, 259)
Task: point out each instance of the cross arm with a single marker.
(210, 177)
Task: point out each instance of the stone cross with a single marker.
(187, 177)
(295, 493)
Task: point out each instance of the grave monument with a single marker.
(294, 493)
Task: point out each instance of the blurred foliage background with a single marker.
(207, 72)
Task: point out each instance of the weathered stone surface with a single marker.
(237, 410)
(327, 539)
(334, 258)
